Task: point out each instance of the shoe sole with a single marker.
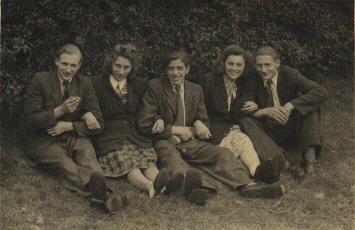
(98, 188)
(192, 181)
(270, 191)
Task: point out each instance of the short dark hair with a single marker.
(218, 65)
(175, 55)
(128, 51)
(268, 50)
(69, 49)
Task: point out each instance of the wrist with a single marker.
(69, 126)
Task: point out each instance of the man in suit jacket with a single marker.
(288, 110)
(61, 112)
(179, 106)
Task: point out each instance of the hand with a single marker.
(60, 128)
(288, 108)
(249, 107)
(174, 139)
(70, 105)
(158, 126)
(277, 114)
(91, 121)
(202, 131)
(182, 132)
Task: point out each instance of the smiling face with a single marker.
(267, 66)
(68, 65)
(234, 66)
(121, 67)
(177, 71)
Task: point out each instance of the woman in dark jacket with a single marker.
(121, 150)
(228, 98)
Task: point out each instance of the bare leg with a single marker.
(136, 178)
(151, 172)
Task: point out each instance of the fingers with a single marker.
(52, 132)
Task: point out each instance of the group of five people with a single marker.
(234, 125)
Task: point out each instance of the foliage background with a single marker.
(313, 36)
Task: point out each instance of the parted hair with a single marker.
(218, 65)
(267, 50)
(128, 51)
(175, 55)
(69, 49)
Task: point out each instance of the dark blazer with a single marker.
(305, 95)
(159, 102)
(119, 118)
(216, 100)
(43, 96)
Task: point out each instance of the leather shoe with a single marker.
(161, 180)
(115, 202)
(193, 180)
(197, 196)
(98, 188)
(174, 184)
(264, 172)
(267, 191)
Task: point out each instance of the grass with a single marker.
(32, 199)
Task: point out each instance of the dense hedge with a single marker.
(311, 35)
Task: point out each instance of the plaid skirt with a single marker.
(120, 162)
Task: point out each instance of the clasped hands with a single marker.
(278, 114)
(182, 133)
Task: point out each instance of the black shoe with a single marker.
(174, 184)
(161, 180)
(193, 180)
(267, 191)
(116, 202)
(197, 196)
(265, 172)
(98, 188)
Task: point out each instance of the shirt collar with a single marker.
(114, 82)
(181, 86)
(274, 80)
(61, 80)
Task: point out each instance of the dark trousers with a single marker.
(72, 161)
(218, 162)
(269, 139)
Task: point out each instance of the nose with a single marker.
(120, 71)
(263, 68)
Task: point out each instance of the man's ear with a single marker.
(278, 63)
(56, 61)
(187, 69)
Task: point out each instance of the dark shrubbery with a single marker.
(310, 35)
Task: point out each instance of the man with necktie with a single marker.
(173, 112)
(62, 111)
(288, 111)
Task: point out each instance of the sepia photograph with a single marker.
(168, 114)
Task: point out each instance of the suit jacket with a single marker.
(119, 118)
(216, 101)
(305, 95)
(159, 102)
(42, 97)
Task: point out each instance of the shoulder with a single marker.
(289, 71)
(155, 83)
(192, 86)
(42, 76)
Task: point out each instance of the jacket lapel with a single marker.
(281, 87)
(55, 86)
(169, 96)
(221, 92)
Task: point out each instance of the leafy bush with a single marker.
(310, 35)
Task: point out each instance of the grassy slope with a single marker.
(31, 199)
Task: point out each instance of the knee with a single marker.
(164, 145)
(247, 122)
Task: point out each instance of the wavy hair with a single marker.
(127, 51)
(218, 65)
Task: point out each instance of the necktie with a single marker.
(118, 90)
(66, 89)
(270, 99)
(180, 114)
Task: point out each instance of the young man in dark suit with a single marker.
(174, 113)
(288, 111)
(61, 112)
